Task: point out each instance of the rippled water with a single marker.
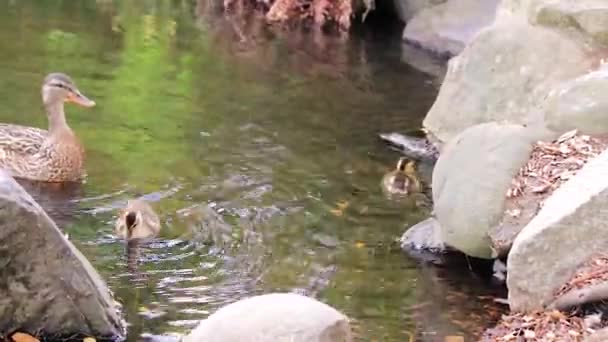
(257, 147)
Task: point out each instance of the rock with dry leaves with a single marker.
(551, 163)
(568, 230)
(47, 286)
(470, 180)
(588, 285)
(445, 29)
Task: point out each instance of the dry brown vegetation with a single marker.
(553, 163)
(539, 326)
(319, 12)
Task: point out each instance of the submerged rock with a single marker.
(412, 147)
(568, 231)
(423, 242)
(446, 29)
(470, 181)
(47, 286)
(424, 235)
(274, 317)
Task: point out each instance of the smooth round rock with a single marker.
(470, 181)
(275, 317)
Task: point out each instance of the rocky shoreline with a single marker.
(521, 122)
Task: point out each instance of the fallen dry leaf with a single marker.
(89, 339)
(341, 206)
(22, 337)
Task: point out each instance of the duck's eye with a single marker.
(61, 85)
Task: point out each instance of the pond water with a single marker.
(267, 137)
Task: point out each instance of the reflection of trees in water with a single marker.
(308, 51)
(449, 303)
(336, 13)
(258, 254)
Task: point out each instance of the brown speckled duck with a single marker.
(137, 221)
(53, 155)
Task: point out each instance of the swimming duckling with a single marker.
(403, 180)
(137, 221)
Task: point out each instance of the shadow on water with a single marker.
(257, 147)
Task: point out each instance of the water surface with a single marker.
(266, 138)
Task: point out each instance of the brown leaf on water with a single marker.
(454, 339)
(341, 206)
(22, 337)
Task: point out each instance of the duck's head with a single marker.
(59, 88)
(137, 221)
(406, 166)
(128, 221)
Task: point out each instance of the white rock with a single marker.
(276, 317)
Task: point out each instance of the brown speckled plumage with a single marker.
(53, 155)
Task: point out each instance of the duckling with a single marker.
(137, 221)
(53, 155)
(403, 180)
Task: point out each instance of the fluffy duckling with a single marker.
(403, 180)
(53, 155)
(137, 221)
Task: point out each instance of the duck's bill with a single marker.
(80, 99)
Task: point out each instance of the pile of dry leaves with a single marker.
(319, 11)
(593, 272)
(553, 163)
(539, 326)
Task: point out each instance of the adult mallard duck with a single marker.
(137, 221)
(403, 180)
(53, 155)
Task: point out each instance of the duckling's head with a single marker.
(406, 166)
(128, 221)
(59, 88)
(137, 221)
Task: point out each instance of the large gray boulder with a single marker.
(470, 181)
(446, 29)
(406, 9)
(580, 104)
(502, 75)
(585, 16)
(276, 317)
(47, 286)
(568, 230)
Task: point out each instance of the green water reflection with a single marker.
(274, 131)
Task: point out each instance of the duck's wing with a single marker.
(21, 140)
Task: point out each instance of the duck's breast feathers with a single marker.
(20, 139)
